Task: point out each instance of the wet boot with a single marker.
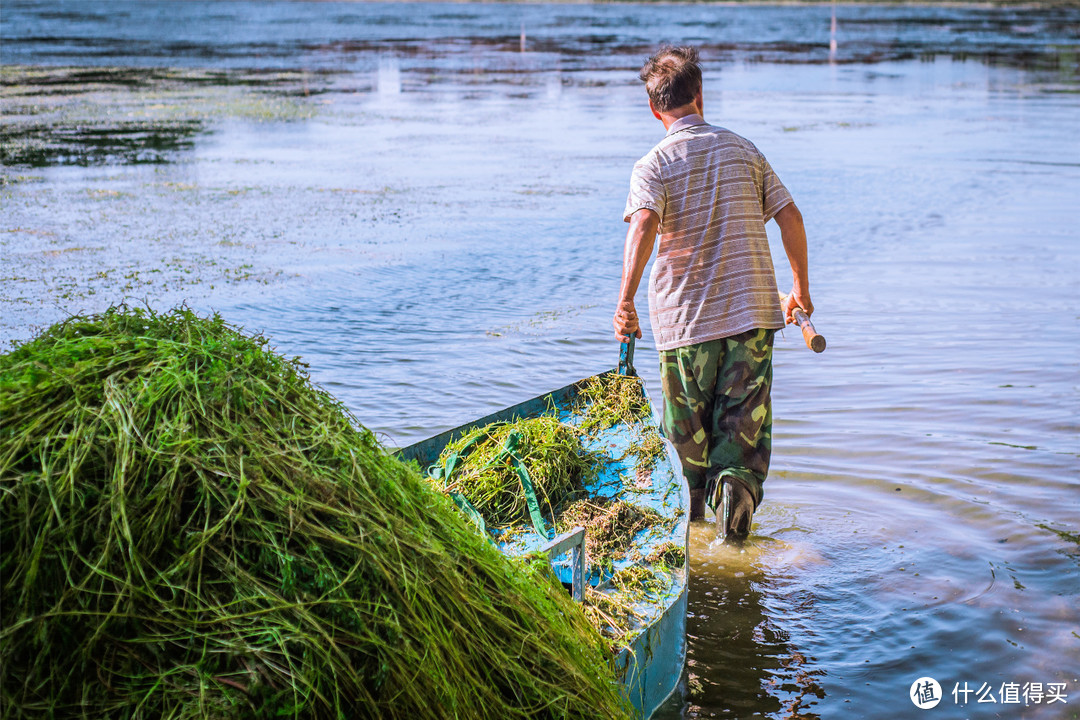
(733, 504)
(697, 504)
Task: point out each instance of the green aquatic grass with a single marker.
(551, 451)
(667, 554)
(611, 399)
(191, 529)
(610, 527)
(614, 615)
(646, 449)
(618, 613)
(640, 581)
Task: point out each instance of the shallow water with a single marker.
(435, 226)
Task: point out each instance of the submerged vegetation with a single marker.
(127, 115)
(192, 529)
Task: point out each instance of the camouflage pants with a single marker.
(717, 408)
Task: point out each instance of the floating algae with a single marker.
(191, 529)
(486, 467)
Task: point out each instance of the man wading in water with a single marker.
(713, 300)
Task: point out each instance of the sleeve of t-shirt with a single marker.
(646, 189)
(774, 196)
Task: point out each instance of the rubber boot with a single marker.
(697, 504)
(733, 521)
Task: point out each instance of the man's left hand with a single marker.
(626, 322)
(796, 299)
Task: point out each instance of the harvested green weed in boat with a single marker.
(611, 399)
(191, 529)
(610, 527)
(639, 581)
(615, 612)
(667, 554)
(647, 449)
(613, 615)
(483, 467)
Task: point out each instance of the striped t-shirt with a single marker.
(713, 275)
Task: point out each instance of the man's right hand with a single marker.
(626, 322)
(796, 299)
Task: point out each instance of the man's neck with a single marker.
(669, 118)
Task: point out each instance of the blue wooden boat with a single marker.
(650, 661)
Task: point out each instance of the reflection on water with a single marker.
(848, 591)
(389, 81)
(432, 219)
(732, 625)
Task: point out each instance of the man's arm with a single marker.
(640, 239)
(793, 234)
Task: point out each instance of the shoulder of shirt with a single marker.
(719, 131)
(693, 132)
(690, 133)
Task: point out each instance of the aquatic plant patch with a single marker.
(127, 115)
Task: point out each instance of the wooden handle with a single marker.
(814, 341)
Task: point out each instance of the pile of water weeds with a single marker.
(492, 457)
(485, 464)
(610, 399)
(190, 528)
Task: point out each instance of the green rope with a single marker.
(513, 440)
(510, 449)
